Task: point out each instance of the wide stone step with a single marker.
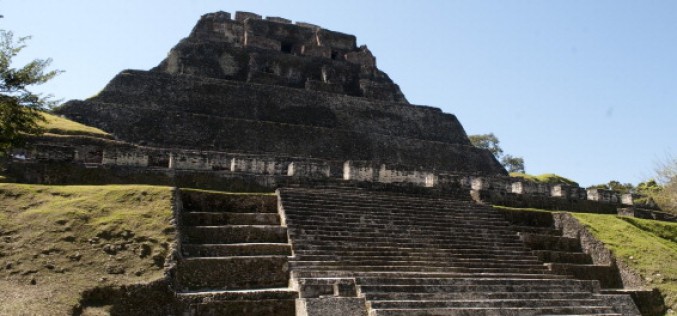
(448, 263)
(424, 283)
(228, 250)
(259, 307)
(537, 230)
(421, 268)
(364, 245)
(375, 252)
(547, 242)
(210, 201)
(563, 256)
(221, 273)
(234, 234)
(319, 223)
(433, 240)
(300, 235)
(219, 218)
(502, 303)
(388, 250)
(418, 274)
(365, 221)
(394, 207)
(342, 214)
(413, 230)
(390, 208)
(497, 311)
(375, 197)
(608, 276)
(483, 294)
(375, 218)
(420, 257)
(319, 207)
(227, 295)
(370, 195)
(410, 292)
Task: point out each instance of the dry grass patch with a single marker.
(57, 241)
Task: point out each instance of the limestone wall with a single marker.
(498, 190)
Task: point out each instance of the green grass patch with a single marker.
(550, 178)
(508, 208)
(647, 246)
(59, 125)
(57, 241)
(665, 230)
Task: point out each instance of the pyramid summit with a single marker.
(273, 88)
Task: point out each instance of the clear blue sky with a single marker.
(585, 89)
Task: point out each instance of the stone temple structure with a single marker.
(273, 88)
(378, 206)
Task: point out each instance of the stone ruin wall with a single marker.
(273, 51)
(497, 190)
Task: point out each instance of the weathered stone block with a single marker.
(336, 40)
(331, 306)
(363, 58)
(307, 25)
(308, 169)
(261, 42)
(322, 86)
(316, 51)
(258, 165)
(358, 171)
(277, 19)
(394, 175)
(233, 32)
(232, 273)
(560, 190)
(241, 16)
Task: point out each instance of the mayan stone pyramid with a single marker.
(272, 88)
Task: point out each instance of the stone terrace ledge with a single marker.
(497, 190)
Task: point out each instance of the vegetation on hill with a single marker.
(647, 246)
(490, 142)
(19, 106)
(57, 241)
(550, 178)
(59, 125)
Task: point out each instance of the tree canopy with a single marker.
(19, 107)
(490, 142)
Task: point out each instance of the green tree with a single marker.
(666, 179)
(490, 142)
(513, 164)
(19, 107)
(617, 186)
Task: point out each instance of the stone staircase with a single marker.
(233, 256)
(565, 255)
(359, 252)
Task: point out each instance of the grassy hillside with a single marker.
(544, 178)
(56, 241)
(59, 125)
(649, 247)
